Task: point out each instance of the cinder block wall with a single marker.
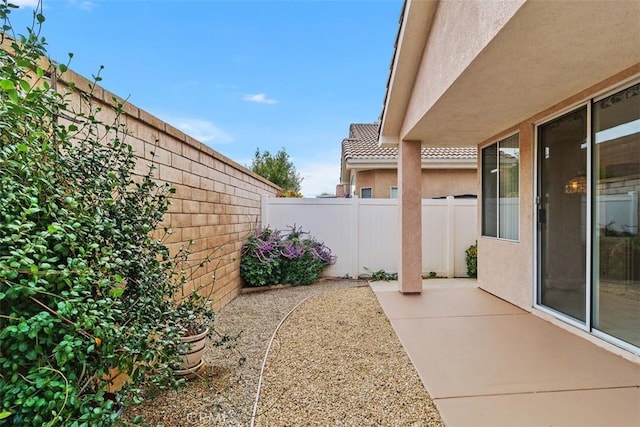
(216, 203)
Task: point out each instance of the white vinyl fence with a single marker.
(365, 232)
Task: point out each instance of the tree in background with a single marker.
(279, 170)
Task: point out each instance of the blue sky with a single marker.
(237, 75)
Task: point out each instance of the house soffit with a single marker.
(545, 54)
(415, 24)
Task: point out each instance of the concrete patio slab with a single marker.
(581, 408)
(486, 355)
(393, 285)
(487, 362)
(444, 303)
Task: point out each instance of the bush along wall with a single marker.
(272, 257)
(85, 285)
(471, 257)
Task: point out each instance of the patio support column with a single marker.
(410, 205)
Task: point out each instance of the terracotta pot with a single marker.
(190, 372)
(192, 353)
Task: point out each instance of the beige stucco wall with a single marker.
(380, 181)
(463, 27)
(480, 59)
(435, 182)
(448, 182)
(216, 203)
(506, 268)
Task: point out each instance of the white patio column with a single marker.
(410, 205)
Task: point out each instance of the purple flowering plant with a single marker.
(270, 257)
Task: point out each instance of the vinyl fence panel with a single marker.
(363, 233)
(378, 245)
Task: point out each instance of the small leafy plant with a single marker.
(379, 275)
(472, 260)
(297, 258)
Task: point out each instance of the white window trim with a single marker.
(497, 142)
(366, 188)
(391, 191)
(537, 304)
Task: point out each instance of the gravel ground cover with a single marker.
(335, 361)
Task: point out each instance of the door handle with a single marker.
(542, 216)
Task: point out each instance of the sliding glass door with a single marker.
(616, 278)
(562, 208)
(588, 216)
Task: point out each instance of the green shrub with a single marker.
(303, 270)
(472, 260)
(84, 285)
(268, 258)
(261, 261)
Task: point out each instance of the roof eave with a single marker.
(413, 32)
(360, 164)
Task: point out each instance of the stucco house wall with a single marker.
(475, 72)
(463, 27)
(435, 182)
(445, 172)
(512, 280)
(380, 182)
(448, 182)
(505, 268)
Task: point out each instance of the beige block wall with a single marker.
(435, 182)
(505, 268)
(216, 203)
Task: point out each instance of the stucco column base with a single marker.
(410, 205)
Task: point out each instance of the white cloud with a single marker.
(319, 178)
(202, 130)
(80, 4)
(259, 98)
(25, 3)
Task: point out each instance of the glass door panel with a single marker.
(562, 219)
(616, 237)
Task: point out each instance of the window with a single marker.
(500, 189)
(365, 192)
(393, 193)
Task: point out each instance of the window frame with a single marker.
(366, 188)
(393, 187)
(483, 201)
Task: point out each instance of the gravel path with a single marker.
(335, 361)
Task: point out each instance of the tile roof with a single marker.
(362, 143)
